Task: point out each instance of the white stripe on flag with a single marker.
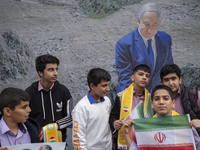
(164, 137)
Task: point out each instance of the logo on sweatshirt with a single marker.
(125, 109)
(75, 137)
(108, 109)
(59, 105)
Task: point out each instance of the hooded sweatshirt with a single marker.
(51, 106)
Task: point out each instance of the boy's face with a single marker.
(100, 90)
(140, 78)
(21, 112)
(50, 73)
(172, 81)
(162, 103)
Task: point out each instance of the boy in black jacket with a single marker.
(15, 127)
(50, 101)
(137, 93)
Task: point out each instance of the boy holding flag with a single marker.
(127, 100)
(162, 101)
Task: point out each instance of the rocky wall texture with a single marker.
(191, 76)
(15, 57)
(103, 8)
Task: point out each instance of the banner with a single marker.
(166, 133)
(39, 146)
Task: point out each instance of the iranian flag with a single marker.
(164, 133)
(136, 113)
(139, 111)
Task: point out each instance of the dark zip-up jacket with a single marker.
(51, 106)
(33, 130)
(186, 102)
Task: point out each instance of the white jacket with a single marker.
(91, 130)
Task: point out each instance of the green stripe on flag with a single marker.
(149, 110)
(169, 122)
(140, 110)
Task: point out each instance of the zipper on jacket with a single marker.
(52, 106)
(43, 105)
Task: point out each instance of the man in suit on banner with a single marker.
(144, 45)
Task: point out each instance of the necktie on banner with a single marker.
(142, 110)
(151, 54)
(166, 133)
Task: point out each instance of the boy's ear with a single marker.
(7, 111)
(92, 86)
(132, 77)
(151, 104)
(173, 102)
(40, 73)
(180, 80)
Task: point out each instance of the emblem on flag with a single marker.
(126, 109)
(160, 137)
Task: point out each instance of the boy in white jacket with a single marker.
(91, 130)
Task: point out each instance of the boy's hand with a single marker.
(4, 148)
(195, 123)
(117, 124)
(127, 126)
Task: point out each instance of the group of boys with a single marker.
(45, 101)
(93, 117)
(92, 113)
(171, 82)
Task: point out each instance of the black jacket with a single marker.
(51, 106)
(114, 115)
(33, 130)
(115, 112)
(188, 105)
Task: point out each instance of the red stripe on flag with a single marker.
(168, 147)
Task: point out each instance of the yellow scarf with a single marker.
(174, 113)
(51, 133)
(126, 108)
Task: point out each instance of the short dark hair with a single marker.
(11, 97)
(42, 60)
(170, 68)
(164, 87)
(96, 75)
(142, 67)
